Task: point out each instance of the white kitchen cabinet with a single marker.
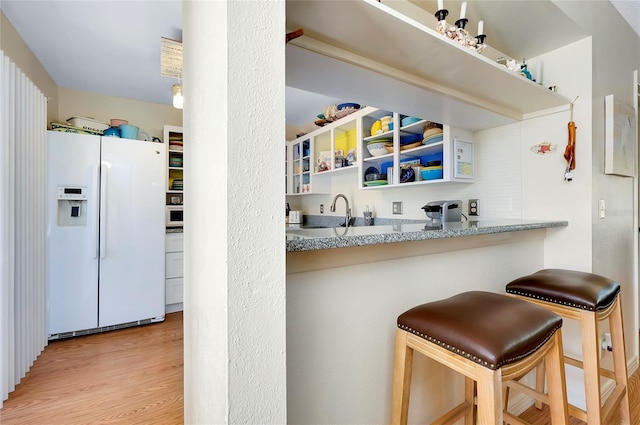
(301, 163)
(173, 137)
(319, 154)
(174, 269)
(314, 157)
(411, 150)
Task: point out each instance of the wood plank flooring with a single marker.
(128, 376)
(537, 417)
(134, 376)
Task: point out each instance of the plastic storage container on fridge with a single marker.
(88, 123)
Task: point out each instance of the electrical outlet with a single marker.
(397, 207)
(605, 344)
(473, 207)
(321, 208)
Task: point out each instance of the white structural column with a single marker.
(234, 307)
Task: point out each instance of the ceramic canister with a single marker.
(128, 131)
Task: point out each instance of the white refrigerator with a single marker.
(105, 244)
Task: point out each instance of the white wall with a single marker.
(148, 116)
(14, 47)
(616, 54)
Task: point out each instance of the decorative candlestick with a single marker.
(441, 14)
(480, 38)
(460, 23)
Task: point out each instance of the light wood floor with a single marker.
(536, 417)
(133, 376)
(128, 376)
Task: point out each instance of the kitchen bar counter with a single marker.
(312, 239)
(346, 288)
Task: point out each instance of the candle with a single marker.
(440, 4)
(539, 71)
(480, 28)
(463, 10)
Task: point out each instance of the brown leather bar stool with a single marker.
(489, 338)
(588, 298)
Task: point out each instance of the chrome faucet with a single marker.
(348, 214)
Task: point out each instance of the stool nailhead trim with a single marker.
(550, 300)
(472, 357)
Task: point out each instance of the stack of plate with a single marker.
(175, 142)
(432, 135)
(177, 184)
(175, 161)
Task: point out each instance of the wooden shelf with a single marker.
(376, 50)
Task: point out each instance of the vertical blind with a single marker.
(23, 171)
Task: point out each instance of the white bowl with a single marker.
(377, 149)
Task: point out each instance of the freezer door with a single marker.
(72, 238)
(131, 278)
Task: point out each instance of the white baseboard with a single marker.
(172, 308)
(632, 365)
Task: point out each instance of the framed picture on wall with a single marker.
(620, 133)
(463, 159)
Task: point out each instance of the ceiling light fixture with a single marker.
(178, 99)
(171, 66)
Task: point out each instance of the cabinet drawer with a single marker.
(173, 265)
(174, 242)
(173, 290)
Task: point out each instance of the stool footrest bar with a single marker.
(453, 415)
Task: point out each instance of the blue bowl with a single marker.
(431, 174)
(409, 120)
(347, 105)
(410, 138)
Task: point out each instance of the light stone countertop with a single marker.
(310, 239)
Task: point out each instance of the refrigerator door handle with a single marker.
(96, 217)
(104, 168)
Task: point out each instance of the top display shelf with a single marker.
(373, 36)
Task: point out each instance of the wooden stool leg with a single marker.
(505, 397)
(489, 395)
(469, 397)
(554, 366)
(402, 368)
(540, 374)
(619, 359)
(591, 361)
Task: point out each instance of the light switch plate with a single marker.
(397, 207)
